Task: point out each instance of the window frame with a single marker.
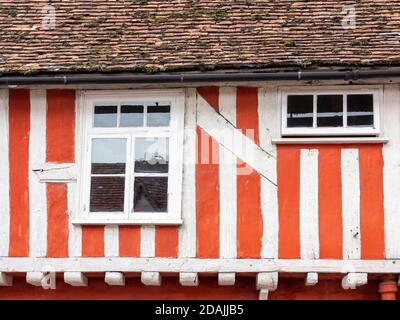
(174, 132)
(376, 91)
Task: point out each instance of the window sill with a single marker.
(170, 222)
(335, 140)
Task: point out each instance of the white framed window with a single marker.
(132, 149)
(334, 111)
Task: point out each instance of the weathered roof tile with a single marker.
(172, 35)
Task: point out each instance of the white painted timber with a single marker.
(351, 204)
(151, 278)
(189, 279)
(268, 116)
(37, 191)
(227, 179)
(74, 231)
(75, 279)
(263, 295)
(226, 278)
(326, 140)
(218, 127)
(166, 265)
(114, 278)
(147, 241)
(391, 169)
(35, 278)
(5, 280)
(111, 241)
(55, 172)
(4, 175)
(267, 280)
(187, 232)
(309, 237)
(311, 279)
(354, 280)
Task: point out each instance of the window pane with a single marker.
(105, 116)
(107, 194)
(108, 156)
(360, 110)
(151, 155)
(300, 111)
(131, 116)
(151, 194)
(158, 115)
(330, 111)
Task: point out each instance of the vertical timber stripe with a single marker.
(19, 127)
(57, 222)
(129, 241)
(147, 242)
(207, 186)
(4, 176)
(187, 231)
(227, 178)
(166, 242)
(351, 204)
(330, 202)
(391, 170)
(61, 125)
(249, 227)
(309, 244)
(92, 241)
(371, 202)
(37, 190)
(111, 239)
(74, 231)
(268, 127)
(288, 197)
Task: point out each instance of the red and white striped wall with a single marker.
(300, 202)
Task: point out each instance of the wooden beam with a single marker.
(114, 278)
(226, 278)
(5, 280)
(34, 278)
(151, 278)
(354, 280)
(189, 279)
(267, 280)
(168, 265)
(263, 295)
(230, 137)
(75, 279)
(55, 172)
(311, 279)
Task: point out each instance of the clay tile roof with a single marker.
(186, 35)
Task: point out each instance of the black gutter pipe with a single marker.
(196, 77)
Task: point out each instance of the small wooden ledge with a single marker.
(114, 279)
(151, 278)
(329, 140)
(189, 279)
(5, 280)
(226, 278)
(75, 279)
(311, 279)
(34, 278)
(354, 280)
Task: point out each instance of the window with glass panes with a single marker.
(330, 112)
(133, 162)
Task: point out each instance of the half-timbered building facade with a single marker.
(244, 155)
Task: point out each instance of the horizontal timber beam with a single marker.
(197, 265)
